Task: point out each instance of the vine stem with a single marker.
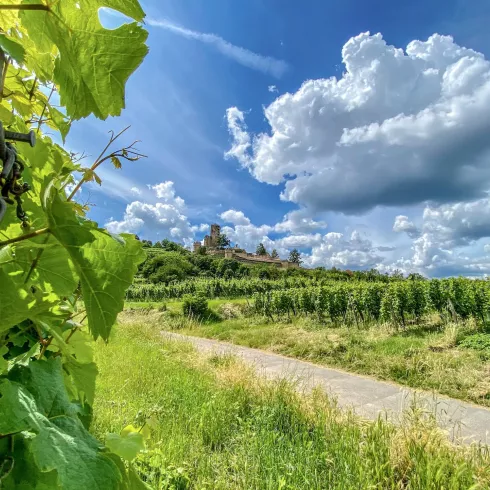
(35, 6)
(44, 110)
(4, 63)
(33, 234)
(35, 261)
(97, 162)
(46, 344)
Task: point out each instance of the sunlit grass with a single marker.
(426, 356)
(217, 426)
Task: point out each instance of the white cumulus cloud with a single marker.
(399, 127)
(234, 217)
(403, 224)
(166, 216)
(444, 243)
(299, 221)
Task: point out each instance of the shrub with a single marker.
(194, 305)
(479, 341)
(230, 310)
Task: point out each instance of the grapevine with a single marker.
(366, 301)
(397, 302)
(63, 279)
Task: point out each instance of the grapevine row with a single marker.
(397, 302)
(215, 288)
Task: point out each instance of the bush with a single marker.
(195, 305)
(230, 310)
(479, 341)
(167, 267)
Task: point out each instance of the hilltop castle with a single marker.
(211, 241)
(236, 253)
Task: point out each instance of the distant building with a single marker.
(236, 253)
(212, 241)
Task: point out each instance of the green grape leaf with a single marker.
(87, 87)
(54, 271)
(59, 121)
(12, 48)
(9, 18)
(3, 363)
(6, 115)
(80, 346)
(126, 445)
(116, 162)
(135, 482)
(44, 381)
(33, 399)
(83, 380)
(105, 264)
(25, 475)
(17, 302)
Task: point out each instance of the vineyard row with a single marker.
(397, 302)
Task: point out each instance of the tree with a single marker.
(274, 254)
(223, 241)
(167, 267)
(201, 250)
(415, 276)
(170, 246)
(261, 249)
(295, 256)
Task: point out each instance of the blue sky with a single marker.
(215, 79)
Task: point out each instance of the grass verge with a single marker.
(215, 425)
(432, 357)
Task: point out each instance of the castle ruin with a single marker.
(211, 245)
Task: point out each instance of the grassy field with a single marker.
(433, 356)
(214, 425)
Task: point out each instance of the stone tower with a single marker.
(215, 231)
(212, 241)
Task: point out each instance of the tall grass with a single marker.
(217, 426)
(432, 356)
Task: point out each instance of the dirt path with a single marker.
(366, 396)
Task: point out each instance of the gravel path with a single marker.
(366, 396)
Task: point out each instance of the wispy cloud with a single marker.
(245, 57)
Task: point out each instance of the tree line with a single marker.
(223, 242)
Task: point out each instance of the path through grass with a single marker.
(216, 426)
(430, 357)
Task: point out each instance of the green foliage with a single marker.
(167, 267)
(263, 435)
(479, 341)
(260, 249)
(201, 251)
(274, 254)
(295, 257)
(396, 302)
(58, 267)
(127, 444)
(195, 306)
(39, 416)
(223, 241)
(170, 246)
(87, 88)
